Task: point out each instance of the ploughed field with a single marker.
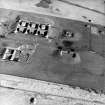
(52, 49)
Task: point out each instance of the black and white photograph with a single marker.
(52, 52)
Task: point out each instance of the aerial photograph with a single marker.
(52, 52)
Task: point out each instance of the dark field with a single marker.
(86, 70)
